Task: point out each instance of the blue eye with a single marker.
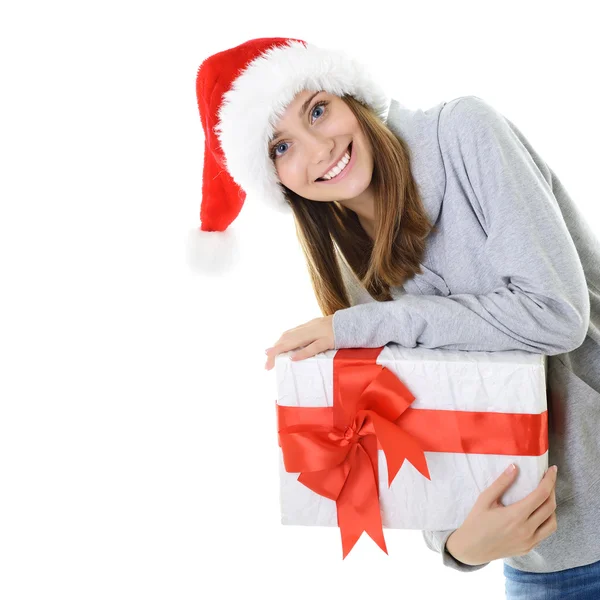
(273, 154)
(320, 105)
(278, 146)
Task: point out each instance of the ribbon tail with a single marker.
(406, 449)
(399, 446)
(358, 507)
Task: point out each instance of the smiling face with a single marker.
(309, 143)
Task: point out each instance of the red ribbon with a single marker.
(335, 449)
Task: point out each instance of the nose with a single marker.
(320, 149)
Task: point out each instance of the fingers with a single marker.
(310, 350)
(535, 499)
(283, 344)
(291, 340)
(491, 495)
(286, 346)
(273, 352)
(544, 511)
(546, 529)
(304, 351)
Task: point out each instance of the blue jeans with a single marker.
(578, 583)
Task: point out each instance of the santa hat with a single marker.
(242, 92)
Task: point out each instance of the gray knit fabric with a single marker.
(513, 266)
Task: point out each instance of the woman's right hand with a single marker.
(492, 530)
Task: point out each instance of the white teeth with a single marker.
(339, 167)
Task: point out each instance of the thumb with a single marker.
(492, 494)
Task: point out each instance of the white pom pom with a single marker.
(212, 252)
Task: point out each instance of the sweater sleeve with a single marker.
(436, 541)
(543, 306)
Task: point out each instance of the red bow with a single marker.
(335, 448)
(338, 458)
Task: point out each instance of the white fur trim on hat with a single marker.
(212, 252)
(259, 96)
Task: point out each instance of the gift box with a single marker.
(405, 438)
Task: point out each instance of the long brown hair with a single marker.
(400, 231)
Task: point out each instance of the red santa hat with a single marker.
(242, 93)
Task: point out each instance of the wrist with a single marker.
(455, 548)
(451, 545)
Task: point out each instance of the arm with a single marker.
(543, 306)
(437, 541)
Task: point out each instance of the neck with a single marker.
(364, 206)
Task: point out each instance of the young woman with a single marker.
(440, 228)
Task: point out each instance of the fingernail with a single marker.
(267, 350)
(510, 469)
(554, 468)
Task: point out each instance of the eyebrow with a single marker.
(303, 109)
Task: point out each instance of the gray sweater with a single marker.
(513, 266)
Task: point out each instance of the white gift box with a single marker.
(505, 382)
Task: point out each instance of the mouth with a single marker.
(348, 149)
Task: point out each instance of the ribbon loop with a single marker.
(368, 399)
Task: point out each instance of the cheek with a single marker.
(291, 172)
(283, 174)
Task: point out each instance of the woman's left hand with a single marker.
(313, 337)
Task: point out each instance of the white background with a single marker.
(138, 448)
